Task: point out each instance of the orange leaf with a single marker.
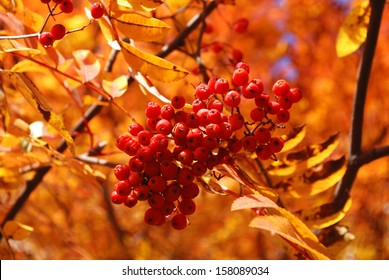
(87, 65)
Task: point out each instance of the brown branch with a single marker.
(356, 154)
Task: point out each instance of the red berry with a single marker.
(199, 169)
(142, 192)
(232, 98)
(144, 137)
(262, 135)
(273, 107)
(237, 55)
(214, 116)
(295, 94)
(276, 144)
(243, 65)
(66, 6)
(234, 145)
(240, 76)
(190, 191)
(178, 102)
(215, 104)
(185, 157)
(136, 164)
(58, 31)
(169, 170)
(241, 25)
(172, 192)
(283, 115)
(153, 110)
(257, 114)
(187, 206)
(281, 88)
(179, 221)
(236, 120)
(262, 100)
(123, 188)
(97, 10)
(185, 176)
(263, 152)
(135, 128)
(154, 217)
(180, 130)
(135, 178)
(164, 127)
(131, 201)
(213, 130)
(156, 200)
(122, 171)
(250, 90)
(167, 112)
(198, 104)
(285, 102)
(249, 143)
(203, 92)
(217, 47)
(117, 199)
(222, 86)
(46, 39)
(158, 142)
(157, 183)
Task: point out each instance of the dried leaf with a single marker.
(38, 101)
(151, 65)
(209, 185)
(299, 161)
(139, 27)
(314, 181)
(87, 64)
(352, 34)
(324, 215)
(17, 231)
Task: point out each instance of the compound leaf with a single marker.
(151, 65)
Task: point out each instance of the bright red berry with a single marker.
(58, 31)
(263, 152)
(154, 217)
(135, 128)
(122, 171)
(281, 88)
(178, 101)
(276, 144)
(283, 115)
(241, 25)
(97, 10)
(164, 127)
(46, 39)
(240, 76)
(179, 221)
(187, 206)
(295, 94)
(153, 110)
(232, 98)
(222, 86)
(66, 6)
(257, 114)
(203, 92)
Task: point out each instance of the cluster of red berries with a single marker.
(58, 31)
(182, 143)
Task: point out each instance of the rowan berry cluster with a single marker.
(181, 143)
(58, 31)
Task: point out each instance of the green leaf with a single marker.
(352, 34)
(153, 66)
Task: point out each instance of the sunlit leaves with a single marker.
(277, 220)
(87, 64)
(115, 87)
(296, 162)
(151, 65)
(38, 101)
(17, 231)
(324, 216)
(12, 6)
(314, 180)
(10, 46)
(139, 27)
(352, 33)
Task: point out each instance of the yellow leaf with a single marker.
(252, 201)
(87, 65)
(177, 4)
(323, 216)
(10, 46)
(149, 89)
(314, 181)
(115, 86)
(139, 27)
(28, 66)
(32, 20)
(145, 5)
(151, 65)
(90, 100)
(352, 33)
(16, 231)
(294, 138)
(209, 185)
(241, 176)
(106, 29)
(13, 6)
(299, 161)
(38, 101)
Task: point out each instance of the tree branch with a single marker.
(345, 185)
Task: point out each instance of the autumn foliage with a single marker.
(184, 129)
